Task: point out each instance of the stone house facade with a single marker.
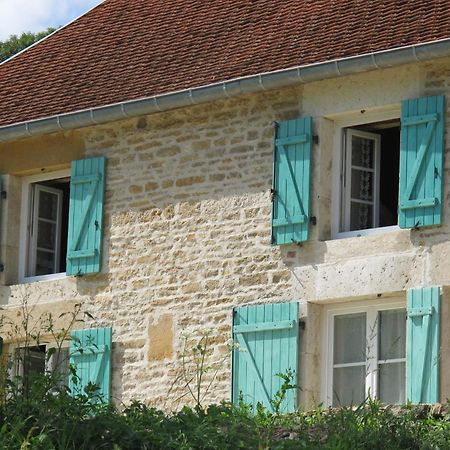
(206, 221)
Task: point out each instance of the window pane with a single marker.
(60, 366)
(46, 235)
(349, 385)
(45, 262)
(361, 216)
(392, 334)
(392, 382)
(350, 338)
(363, 151)
(362, 185)
(48, 205)
(33, 360)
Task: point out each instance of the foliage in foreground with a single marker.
(45, 420)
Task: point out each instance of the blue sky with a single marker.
(17, 16)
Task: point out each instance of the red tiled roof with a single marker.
(129, 49)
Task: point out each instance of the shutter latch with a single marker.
(313, 220)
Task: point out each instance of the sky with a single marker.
(18, 16)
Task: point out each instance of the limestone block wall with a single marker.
(187, 230)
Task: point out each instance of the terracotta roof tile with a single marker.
(129, 49)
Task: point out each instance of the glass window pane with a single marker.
(349, 385)
(349, 338)
(361, 216)
(46, 235)
(391, 378)
(33, 360)
(363, 151)
(48, 205)
(392, 334)
(45, 262)
(362, 185)
(60, 366)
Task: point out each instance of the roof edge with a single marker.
(57, 30)
(226, 89)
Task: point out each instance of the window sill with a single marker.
(50, 277)
(368, 232)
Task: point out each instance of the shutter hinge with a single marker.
(316, 139)
(313, 220)
(273, 193)
(2, 267)
(3, 195)
(301, 324)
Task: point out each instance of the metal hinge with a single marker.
(273, 193)
(3, 195)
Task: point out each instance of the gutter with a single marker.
(225, 89)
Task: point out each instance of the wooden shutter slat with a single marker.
(264, 326)
(90, 353)
(268, 338)
(84, 245)
(251, 364)
(421, 162)
(422, 378)
(289, 220)
(291, 181)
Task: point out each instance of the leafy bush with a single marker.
(47, 420)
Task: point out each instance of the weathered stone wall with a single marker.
(187, 231)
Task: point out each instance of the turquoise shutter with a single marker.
(421, 162)
(90, 354)
(266, 338)
(87, 186)
(291, 180)
(422, 357)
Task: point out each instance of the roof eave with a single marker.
(225, 89)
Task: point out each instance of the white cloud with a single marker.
(17, 16)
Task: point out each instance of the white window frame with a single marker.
(347, 177)
(34, 217)
(341, 123)
(25, 217)
(371, 309)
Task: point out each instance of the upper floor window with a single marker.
(370, 176)
(47, 228)
(44, 228)
(62, 221)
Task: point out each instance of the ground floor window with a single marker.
(40, 360)
(366, 355)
